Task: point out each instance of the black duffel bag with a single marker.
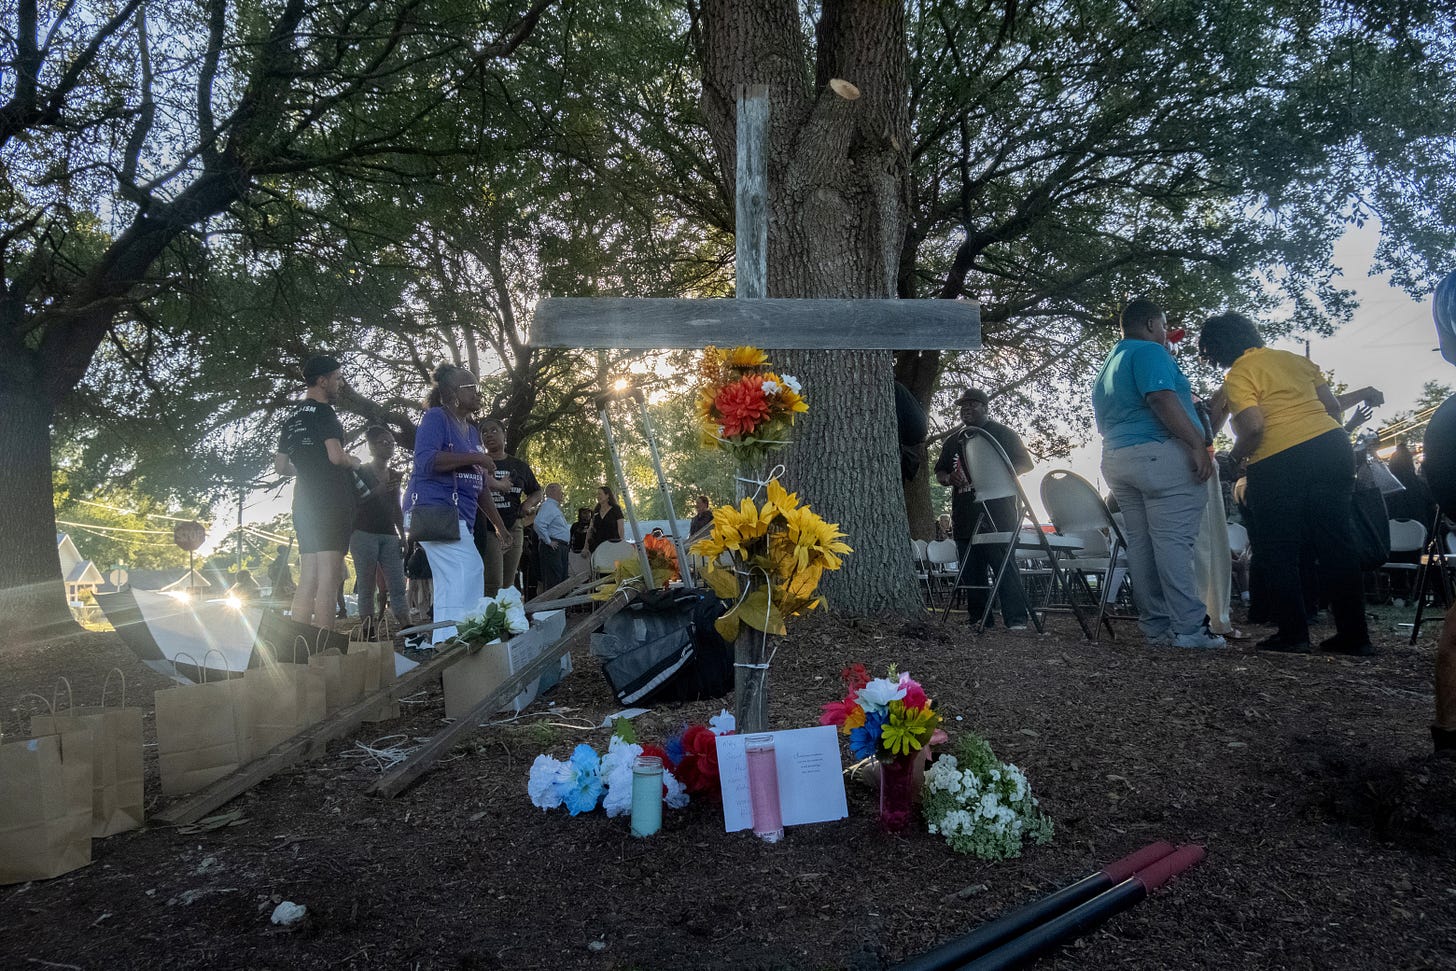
(667, 649)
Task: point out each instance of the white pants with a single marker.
(1212, 560)
(459, 577)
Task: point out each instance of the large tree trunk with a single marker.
(32, 597)
(838, 172)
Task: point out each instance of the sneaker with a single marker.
(1338, 645)
(1199, 639)
(1276, 642)
(1017, 626)
(1164, 639)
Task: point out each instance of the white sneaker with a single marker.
(1164, 639)
(1199, 639)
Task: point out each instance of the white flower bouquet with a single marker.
(980, 805)
(494, 618)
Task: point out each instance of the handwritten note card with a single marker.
(811, 779)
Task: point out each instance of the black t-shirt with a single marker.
(1438, 467)
(380, 511)
(578, 536)
(603, 527)
(523, 483)
(963, 509)
(302, 440)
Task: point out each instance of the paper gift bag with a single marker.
(379, 673)
(343, 677)
(116, 782)
(282, 700)
(45, 806)
(202, 733)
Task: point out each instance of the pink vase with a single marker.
(897, 794)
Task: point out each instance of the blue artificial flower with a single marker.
(865, 740)
(582, 786)
(674, 749)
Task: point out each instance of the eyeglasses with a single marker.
(463, 387)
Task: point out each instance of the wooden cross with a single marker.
(753, 318)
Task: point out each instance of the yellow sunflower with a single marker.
(744, 357)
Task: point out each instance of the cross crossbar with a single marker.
(662, 323)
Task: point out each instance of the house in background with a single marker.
(80, 574)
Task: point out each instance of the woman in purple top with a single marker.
(450, 466)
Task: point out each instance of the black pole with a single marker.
(1022, 950)
(959, 950)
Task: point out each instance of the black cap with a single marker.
(319, 365)
(974, 394)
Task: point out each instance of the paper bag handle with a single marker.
(107, 683)
(49, 703)
(202, 669)
(56, 693)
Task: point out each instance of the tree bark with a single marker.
(838, 199)
(32, 597)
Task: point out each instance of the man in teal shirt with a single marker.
(1155, 460)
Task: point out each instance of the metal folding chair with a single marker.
(1076, 509)
(920, 550)
(1434, 574)
(993, 476)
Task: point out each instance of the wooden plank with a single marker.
(407, 773)
(650, 324)
(342, 722)
(750, 230)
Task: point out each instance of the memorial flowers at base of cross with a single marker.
(743, 406)
(782, 547)
(586, 779)
(980, 805)
(891, 720)
(885, 718)
(494, 618)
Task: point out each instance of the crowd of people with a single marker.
(469, 520)
(1291, 464)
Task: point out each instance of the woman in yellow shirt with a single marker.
(1301, 473)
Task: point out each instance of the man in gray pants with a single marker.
(378, 529)
(1155, 461)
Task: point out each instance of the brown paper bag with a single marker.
(117, 802)
(282, 700)
(45, 806)
(202, 733)
(378, 674)
(343, 677)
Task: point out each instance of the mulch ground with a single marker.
(1331, 830)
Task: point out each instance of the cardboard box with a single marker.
(470, 679)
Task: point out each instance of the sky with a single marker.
(1389, 343)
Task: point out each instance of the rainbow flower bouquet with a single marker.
(889, 719)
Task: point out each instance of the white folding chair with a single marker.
(1406, 536)
(1076, 509)
(944, 562)
(920, 550)
(604, 559)
(993, 477)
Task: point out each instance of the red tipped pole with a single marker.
(959, 950)
(1082, 918)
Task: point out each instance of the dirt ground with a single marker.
(1331, 831)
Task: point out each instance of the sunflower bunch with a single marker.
(742, 406)
(783, 542)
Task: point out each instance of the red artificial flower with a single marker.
(742, 405)
(698, 771)
(660, 752)
(835, 712)
(915, 696)
(854, 677)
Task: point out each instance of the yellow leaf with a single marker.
(760, 614)
(727, 626)
(722, 582)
